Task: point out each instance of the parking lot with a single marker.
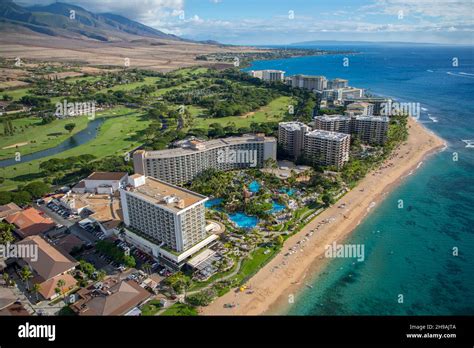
(100, 262)
(90, 232)
(92, 229)
(62, 213)
(70, 223)
(140, 257)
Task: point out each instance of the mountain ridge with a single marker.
(57, 19)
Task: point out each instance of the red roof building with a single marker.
(30, 222)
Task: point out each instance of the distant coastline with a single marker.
(244, 59)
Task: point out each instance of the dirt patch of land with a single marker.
(153, 54)
(15, 145)
(10, 78)
(63, 75)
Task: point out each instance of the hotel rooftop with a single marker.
(271, 70)
(166, 195)
(322, 134)
(333, 118)
(309, 76)
(106, 176)
(192, 146)
(372, 118)
(358, 104)
(292, 126)
(105, 207)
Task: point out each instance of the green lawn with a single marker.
(133, 85)
(189, 72)
(180, 309)
(17, 93)
(162, 91)
(38, 136)
(251, 265)
(83, 78)
(273, 112)
(116, 136)
(151, 308)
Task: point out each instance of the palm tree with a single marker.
(6, 277)
(25, 275)
(307, 173)
(60, 285)
(36, 289)
(101, 275)
(270, 163)
(147, 268)
(179, 282)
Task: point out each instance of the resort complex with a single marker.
(369, 129)
(181, 165)
(328, 144)
(322, 147)
(242, 160)
(269, 75)
(317, 83)
(188, 197)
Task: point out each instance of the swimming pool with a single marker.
(288, 191)
(276, 207)
(254, 186)
(243, 220)
(213, 202)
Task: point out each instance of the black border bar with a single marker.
(243, 330)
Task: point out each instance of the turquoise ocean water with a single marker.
(408, 251)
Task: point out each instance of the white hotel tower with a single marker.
(165, 220)
(327, 148)
(181, 165)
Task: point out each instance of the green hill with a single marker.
(55, 20)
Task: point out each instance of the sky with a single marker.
(269, 22)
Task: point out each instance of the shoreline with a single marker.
(284, 276)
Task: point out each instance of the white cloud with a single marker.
(440, 17)
(146, 11)
(443, 9)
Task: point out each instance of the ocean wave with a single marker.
(469, 143)
(469, 76)
(371, 205)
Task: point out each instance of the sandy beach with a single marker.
(285, 276)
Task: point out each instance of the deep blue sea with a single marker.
(408, 251)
